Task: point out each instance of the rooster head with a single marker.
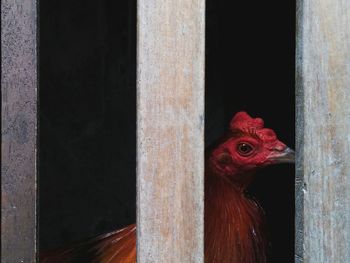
(247, 147)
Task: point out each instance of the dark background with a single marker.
(87, 118)
(88, 109)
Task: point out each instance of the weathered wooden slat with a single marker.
(19, 122)
(323, 91)
(170, 158)
(299, 142)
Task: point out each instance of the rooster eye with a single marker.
(244, 149)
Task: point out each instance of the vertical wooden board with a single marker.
(299, 142)
(170, 158)
(18, 134)
(323, 73)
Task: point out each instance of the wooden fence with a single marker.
(170, 106)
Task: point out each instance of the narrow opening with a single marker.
(250, 67)
(87, 119)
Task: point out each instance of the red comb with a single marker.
(246, 124)
(243, 122)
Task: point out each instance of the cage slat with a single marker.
(170, 145)
(323, 142)
(19, 130)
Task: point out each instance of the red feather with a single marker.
(115, 247)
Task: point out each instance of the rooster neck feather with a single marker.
(233, 224)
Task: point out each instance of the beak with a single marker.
(285, 156)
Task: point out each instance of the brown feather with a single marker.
(234, 228)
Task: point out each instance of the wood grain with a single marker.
(323, 112)
(170, 107)
(18, 134)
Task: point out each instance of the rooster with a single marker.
(234, 223)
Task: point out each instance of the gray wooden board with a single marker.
(299, 182)
(323, 131)
(170, 146)
(19, 123)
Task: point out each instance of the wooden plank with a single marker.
(323, 75)
(299, 142)
(170, 158)
(19, 123)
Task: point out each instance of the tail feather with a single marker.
(115, 247)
